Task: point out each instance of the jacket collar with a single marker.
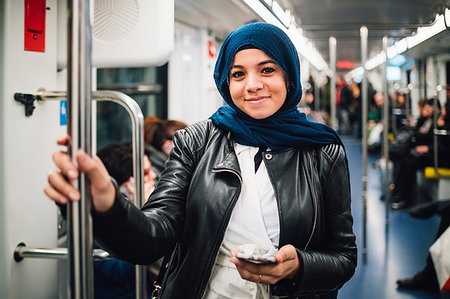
(230, 160)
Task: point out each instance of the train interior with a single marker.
(157, 58)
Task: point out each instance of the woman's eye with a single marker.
(268, 70)
(237, 74)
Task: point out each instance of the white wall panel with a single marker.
(192, 92)
(26, 145)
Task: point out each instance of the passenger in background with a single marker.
(163, 132)
(257, 177)
(355, 108)
(426, 278)
(416, 154)
(310, 90)
(399, 111)
(118, 160)
(344, 96)
(115, 278)
(157, 158)
(159, 144)
(305, 106)
(375, 124)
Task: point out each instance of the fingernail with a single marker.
(63, 200)
(72, 174)
(73, 195)
(81, 155)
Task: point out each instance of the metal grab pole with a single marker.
(332, 44)
(137, 119)
(363, 33)
(81, 282)
(435, 118)
(387, 192)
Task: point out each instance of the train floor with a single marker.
(396, 253)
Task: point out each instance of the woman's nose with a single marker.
(254, 83)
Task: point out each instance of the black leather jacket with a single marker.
(189, 210)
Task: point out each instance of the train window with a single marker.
(146, 85)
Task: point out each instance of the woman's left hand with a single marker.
(286, 266)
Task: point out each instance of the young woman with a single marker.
(213, 197)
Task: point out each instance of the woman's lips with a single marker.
(256, 99)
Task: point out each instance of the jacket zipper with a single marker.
(313, 193)
(223, 229)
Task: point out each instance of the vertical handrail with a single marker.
(332, 45)
(435, 117)
(363, 35)
(81, 282)
(387, 193)
(137, 119)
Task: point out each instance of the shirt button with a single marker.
(268, 156)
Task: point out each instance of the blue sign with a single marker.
(63, 113)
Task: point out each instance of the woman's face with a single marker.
(257, 83)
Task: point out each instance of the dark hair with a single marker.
(118, 160)
(421, 102)
(149, 122)
(431, 102)
(164, 130)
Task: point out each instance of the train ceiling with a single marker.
(321, 19)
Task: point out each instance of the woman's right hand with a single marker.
(60, 188)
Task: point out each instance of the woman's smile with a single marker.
(256, 100)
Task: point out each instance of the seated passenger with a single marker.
(426, 278)
(418, 154)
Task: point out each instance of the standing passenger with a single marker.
(212, 197)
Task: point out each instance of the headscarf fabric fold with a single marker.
(288, 127)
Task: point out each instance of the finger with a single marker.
(64, 162)
(102, 190)
(63, 140)
(234, 252)
(286, 253)
(255, 277)
(55, 195)
(61, 186)
(92, 166)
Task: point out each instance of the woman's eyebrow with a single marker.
(266, 62)
(259, 64)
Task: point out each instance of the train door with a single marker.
(33, 45)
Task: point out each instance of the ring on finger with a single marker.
(260, 278)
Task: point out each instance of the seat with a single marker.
(443, 177)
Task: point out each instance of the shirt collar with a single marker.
(239, 148)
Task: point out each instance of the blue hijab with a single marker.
(288, 127)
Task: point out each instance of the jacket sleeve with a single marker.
(325, 267)
(143, 236)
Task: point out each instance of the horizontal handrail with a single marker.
(22, 251)
(441, 132)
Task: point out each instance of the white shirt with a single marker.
(254, 220)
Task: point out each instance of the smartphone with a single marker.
(256, 258)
